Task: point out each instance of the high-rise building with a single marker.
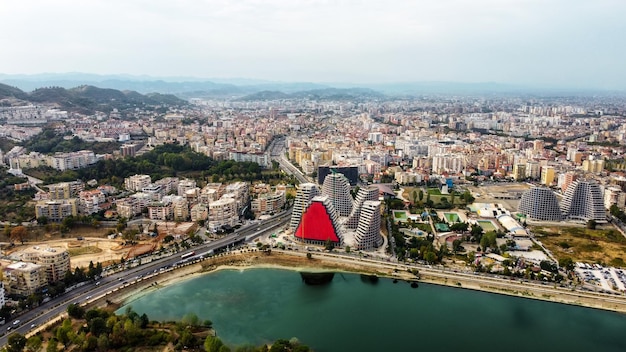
(583, 201)
(519, 172)
(350, 172)
(305, 193)
(540, 203)
(364, 194)
(337, 187)
(533, 170)
(567, 180)
(368, 231)
(547, 175)
(319, 223)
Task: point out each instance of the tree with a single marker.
(52, 345)
(430, 257)
(33, 344)
(213, 344)
(347, 249)
(329, 245)
(75, 311)
(19, 233)
(567, 263)
(456, 246)
(414, 196)
(309, 256)
(16, 342)
(191, 319)
(591, 224)
(488, 240)
(420, 195)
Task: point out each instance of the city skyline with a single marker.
(560, 44)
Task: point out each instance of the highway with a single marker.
(92, 290)
(277, 153)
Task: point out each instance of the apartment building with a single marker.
(268, 203)
(540, 203)
(56, 210)
(137, 182)
(55, 260)
(368, 232)
(24, 279)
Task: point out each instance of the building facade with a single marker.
(540, 203)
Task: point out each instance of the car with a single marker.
(33, 325)
(16, 322)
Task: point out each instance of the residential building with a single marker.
(137, 182)
(199, 212)
(222, 212)
(304, 194)
(547, 175)
(160, 211)
(24, 279)
(583, 200)
(540, 203)
(55, 260)
(268, 203)
(72, 161)
(56, 210)
(185, 185)
(614, 196)
(368, 193)
(65, 190)
(368, 232)
(89, 201)
(337, 187)
(319, 223)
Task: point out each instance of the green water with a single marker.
(261, 305)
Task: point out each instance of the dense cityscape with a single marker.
(529, 187)
(320, 175)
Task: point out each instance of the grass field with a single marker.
(83, 250)
(487, 225)
(606, 245)
(452, 217)
(399, 215)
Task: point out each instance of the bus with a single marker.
(187, 255)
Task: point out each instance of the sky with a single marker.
(552, 43)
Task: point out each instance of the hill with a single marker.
(88, 99)
(7, 91)
(317, 94)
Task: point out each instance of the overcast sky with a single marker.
(565, 43)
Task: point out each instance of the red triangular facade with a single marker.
(316, 225)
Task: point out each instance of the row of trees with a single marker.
(163, 161)
(100, 330)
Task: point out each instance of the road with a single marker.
(110, 283)
(277, 153)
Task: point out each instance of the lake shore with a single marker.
(241, 260)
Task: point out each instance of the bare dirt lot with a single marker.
(82, 252)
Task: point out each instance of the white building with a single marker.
(583, 200)
(222, 212)
(368, 232)
(137, 182)
(306, 192)
(337, 188)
